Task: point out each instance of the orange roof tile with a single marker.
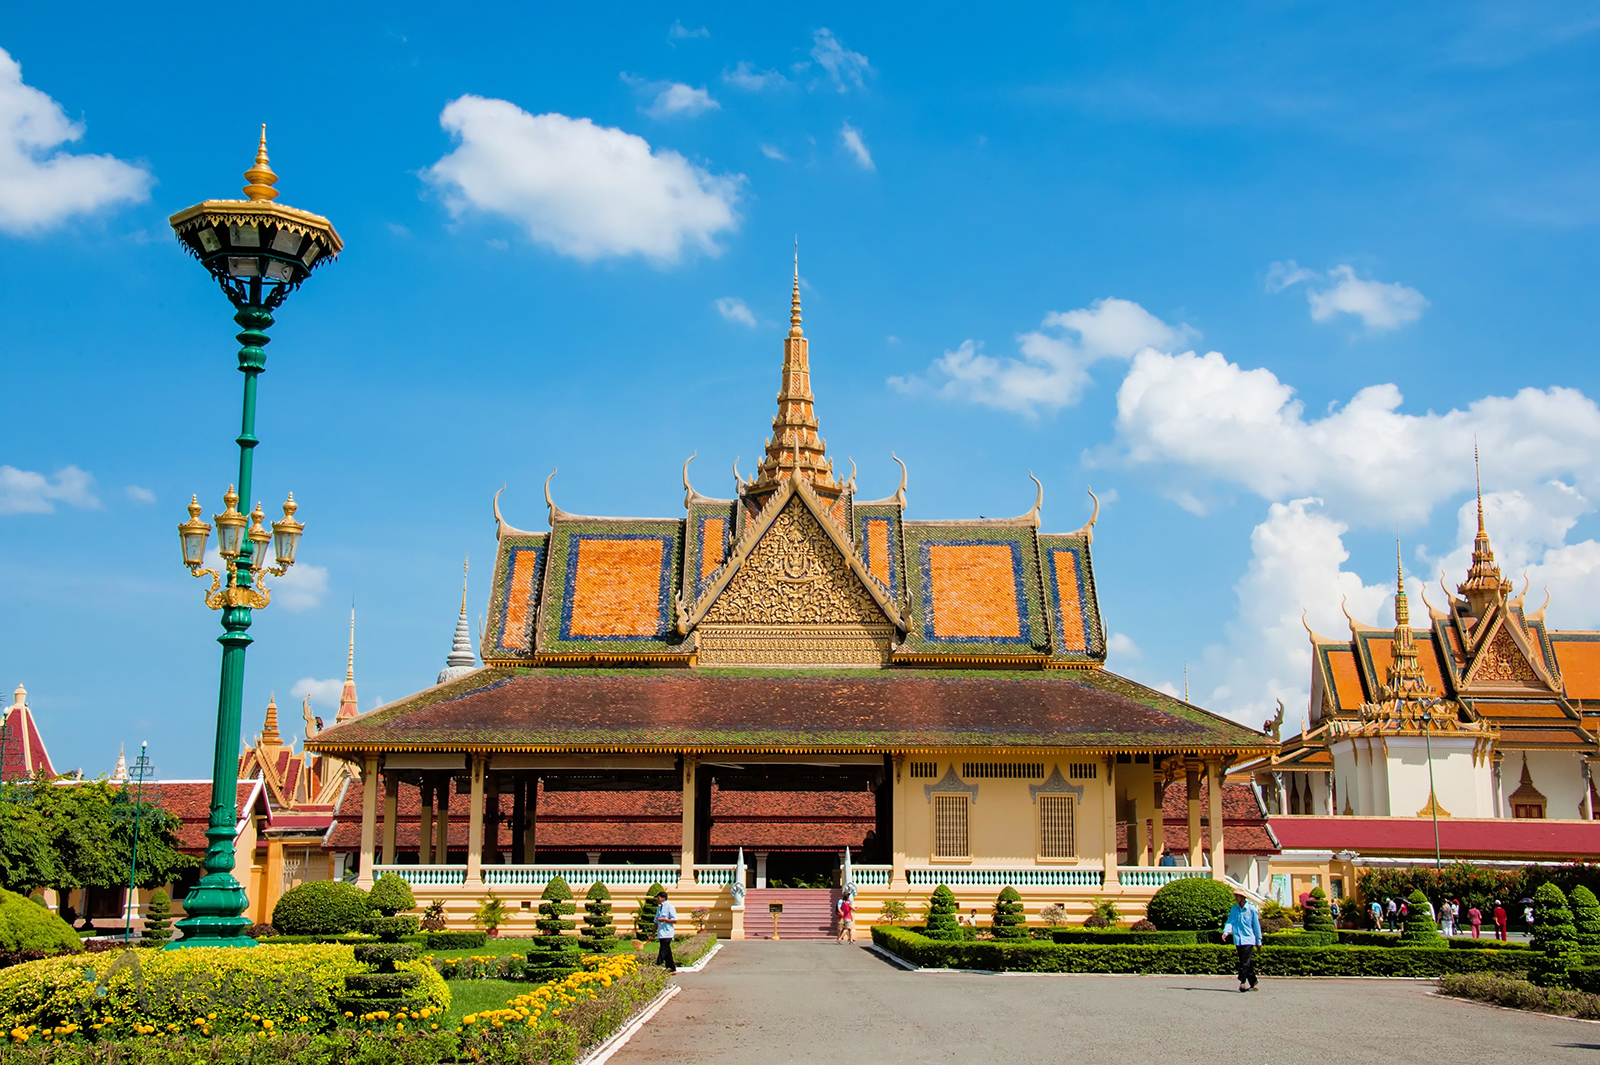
(1580, 666)
(1346, 678)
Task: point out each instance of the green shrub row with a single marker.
(1354, 938)
(1522, 994)
(1108, 936)
(1301, 940)
(1188, 960)
(688, 951)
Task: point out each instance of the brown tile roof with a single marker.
(753, 709)
(190, 802)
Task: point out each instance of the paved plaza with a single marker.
(821, 1002)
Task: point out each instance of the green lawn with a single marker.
(473, 996)
(500, 947)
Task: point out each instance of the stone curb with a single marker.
(602, 1053)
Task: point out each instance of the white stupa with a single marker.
(461, 660)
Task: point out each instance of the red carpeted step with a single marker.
(807, 913)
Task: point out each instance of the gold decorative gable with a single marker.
(795, 600)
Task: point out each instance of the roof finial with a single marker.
(1477, 475)
(348, 706)
(464, 560)
(260, 176)
(461, 660)
(350, 663)
(794, 300)
(269, 728)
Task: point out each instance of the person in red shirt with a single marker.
(847, 919)
(1499, 921)
(1475, 919)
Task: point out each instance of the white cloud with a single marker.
(139, 495)
(680, 32)
(851, 138)
(322, 692)
(41, 186)
(301, 588)
(1054, 368)
(745, 76)
(1379, 304)
(1121, 645)
(773, 153)
(679, 99)
(583, 190)
(845, 67)
(1205, 417)
(735, 310)
(26, 492)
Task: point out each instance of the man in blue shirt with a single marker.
(1243, 926)
(666, 928)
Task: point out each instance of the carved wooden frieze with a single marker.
(794, 575)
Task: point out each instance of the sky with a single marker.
(1260, 274)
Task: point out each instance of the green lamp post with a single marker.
(259, 252)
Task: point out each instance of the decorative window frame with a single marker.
(934, 856)
(1056, 784)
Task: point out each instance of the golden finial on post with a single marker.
(794, 300)
(261, 176)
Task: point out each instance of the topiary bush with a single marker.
(942, 923)
(1419, 930)
(1554, 935)
(158, 920)
(1585, 916)
(556, 955)
(391, 894)
(598, 932)
(1318, 916)
(1010, 918)
(321, 908)
(1191, 904)
(25, 926)
(644, 916)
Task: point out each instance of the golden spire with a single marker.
(348, 707)
(1405, 677)
(464, 560)
(261, 176)
(269, 729)
(795, 448)
(1484, 582)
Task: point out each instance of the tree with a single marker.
(1010, 917)
(157, 921)
(598, 932)
(1318, 917)
(894, 911)
(391, 894)
(644, 917)
(942, 923)
(556, 954)
(1419, 930)
(1190, 904)
(1555, 935)
(1585, 916)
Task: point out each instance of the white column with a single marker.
(369, 819)
(761, 869)
(1214, 780)
(1108, 820)
(475, 823)
(391, 810)
(897, 819)
(686, 861)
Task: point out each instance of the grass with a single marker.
(474, 996)
(503, 946)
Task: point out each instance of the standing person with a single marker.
(847, 919)
(1447, 918)
(1475, 919)
(1392, 911)
(1377, 914)
(666, 929)
(1500, 921)
(1243, 926)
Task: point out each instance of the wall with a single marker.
(1559, 774)
(1461, 784)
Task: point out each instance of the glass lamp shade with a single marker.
(286, 533)
(230, 526)
(192, 536)
(258, 539)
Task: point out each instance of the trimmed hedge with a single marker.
(26, 926)
(321, 908)
(454, 940)
(1190, 904)
(1301, 939)
(1186, 960)
(1108, 936)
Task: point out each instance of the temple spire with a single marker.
(1405, 676)
(1484, 583)
(460, 661)
(269, 729)
(348, 707)
(795, 448)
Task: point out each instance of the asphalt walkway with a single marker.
(819, 1002)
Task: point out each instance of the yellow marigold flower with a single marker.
(470, 1018)
(435, 1027)
(211, 1016)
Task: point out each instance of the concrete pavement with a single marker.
(824, 1003)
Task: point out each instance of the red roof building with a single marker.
(22, 752)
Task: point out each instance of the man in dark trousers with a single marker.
(1243, 926)
(666, 929)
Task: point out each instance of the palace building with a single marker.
(792, 685)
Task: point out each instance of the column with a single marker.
(530, 834)
(1214, 782)
(1158, 814)
(686, 861)
(1108, 819)
(441, 826)
(519, 814)
(272, 880)
(391, 810)
(761, 869)
(1138, 849)
(491, 817)
(369, 818)
(425, 822)
(475, 823)
(897, 843)
(1192, 782)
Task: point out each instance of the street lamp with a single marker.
(258, 252)
(1433, 797)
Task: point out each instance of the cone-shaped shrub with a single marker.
(942, 923)
(1419, 930)
(1585, 916)
(598, 933)
(158, 921)
(644, 918)
(556, 954)
(1318, 915)
(1010, 920)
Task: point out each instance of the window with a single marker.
(1056, 836)
(950, 827)
(1082, 771)
(1532, 811)
(925, 769)
(1002, 770)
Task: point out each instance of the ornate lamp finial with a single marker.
(261, 176)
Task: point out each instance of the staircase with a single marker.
(807, 913)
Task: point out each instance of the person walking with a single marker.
(1475, 919)
(1377, 915)
(1243, 926)
(1392, 911)
(847, 919)
(1500, 921)
(1447, 918)
(666, 930)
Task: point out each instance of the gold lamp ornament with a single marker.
(192, 535)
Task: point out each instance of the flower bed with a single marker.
(1030, 956)
(1521, 995)
(686, 952)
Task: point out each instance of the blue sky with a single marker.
(1258, 273)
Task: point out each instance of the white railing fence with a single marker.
(1157, 876)
(1017, 878)
(425, 875)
